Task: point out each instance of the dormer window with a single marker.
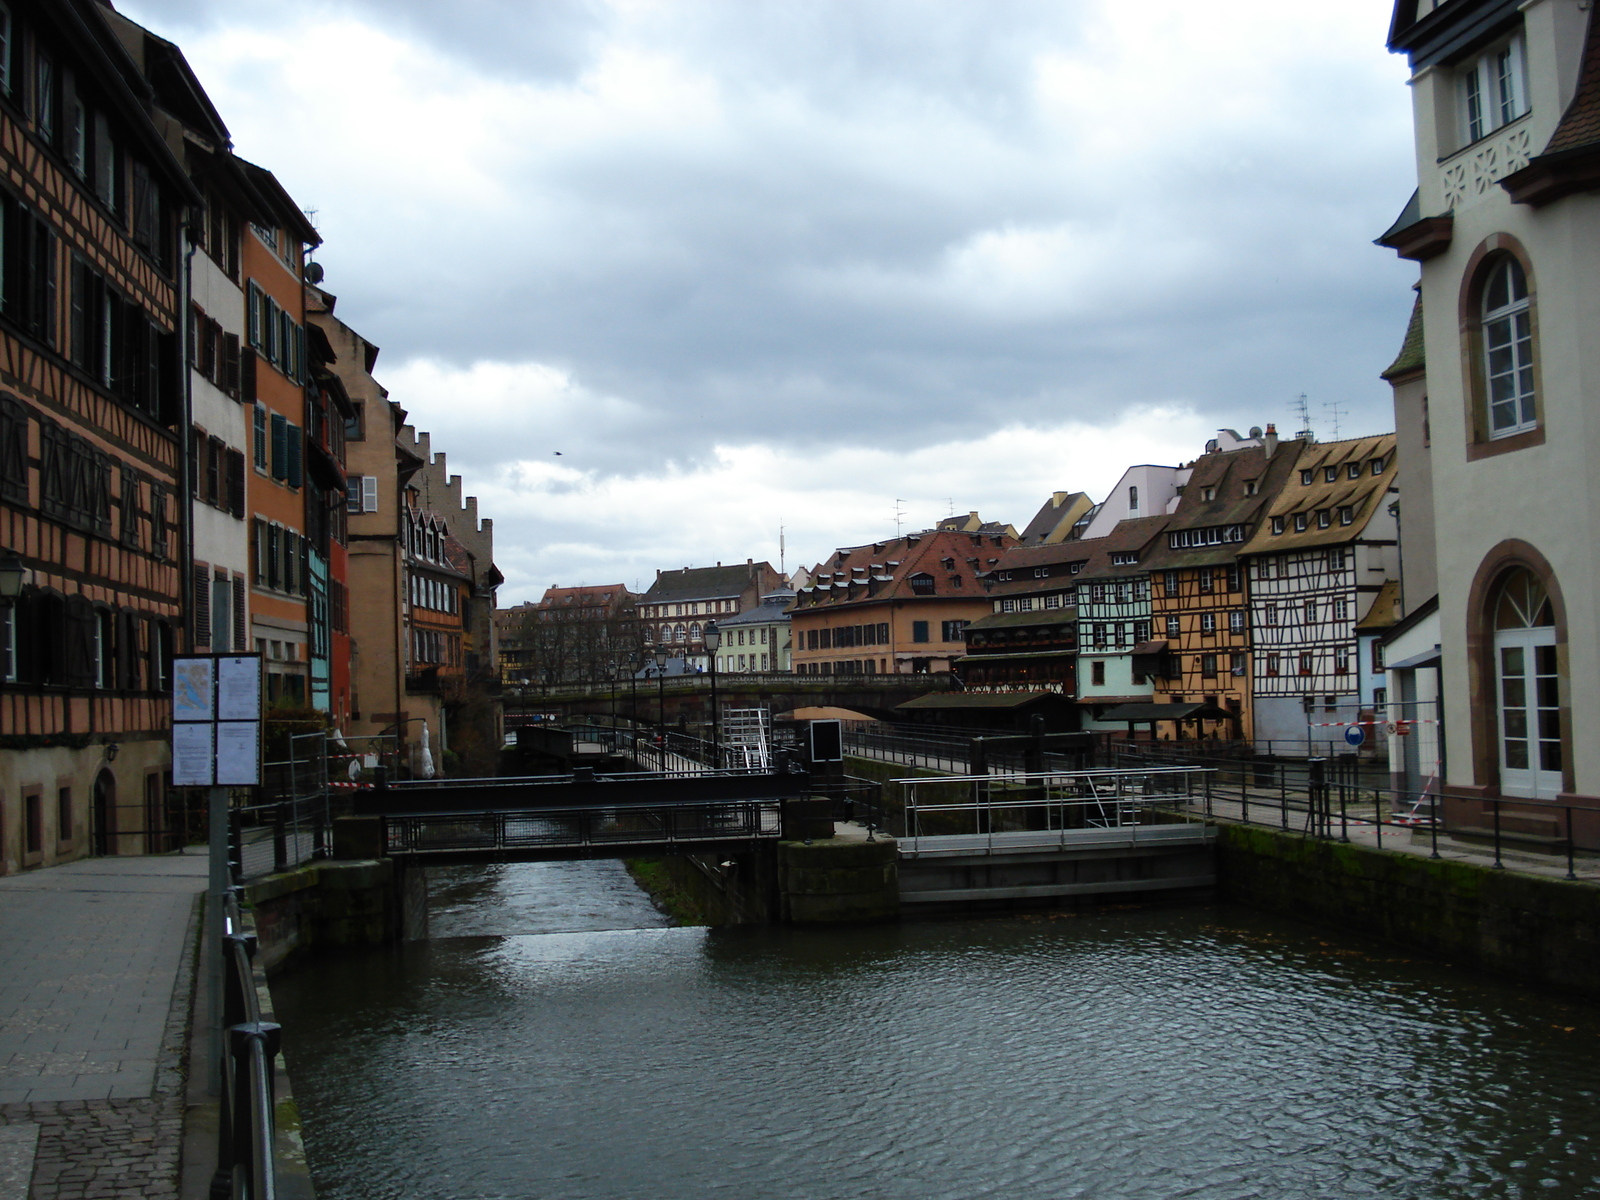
(1277, 524)
(1353, 470)
(1324, 518)
(922, 585)
(1306, 477)
(1124, 558)
(1074, 568)
(1208, 493)
(1494, 89)
(1299, 522)
(1252, 486)
(1041, 572)
(1330, 474)
(1377, 466)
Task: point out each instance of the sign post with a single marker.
(216, 744)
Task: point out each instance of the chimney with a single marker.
(1270, 441)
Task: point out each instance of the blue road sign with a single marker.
(1354, 735)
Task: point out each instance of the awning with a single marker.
(1168, 712)
(991, 700)
(1428, 658)
(823, 712)
(977, 660)
(1154, 646)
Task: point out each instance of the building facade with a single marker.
(674, 610)
(894, 607)
(757, 640)
(1315, 567)
(92, 430)
(1505, 226)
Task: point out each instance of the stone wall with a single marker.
(1532, 929)
(328, 905)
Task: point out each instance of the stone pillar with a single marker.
(845, 879)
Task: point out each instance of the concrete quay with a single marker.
(97, 972)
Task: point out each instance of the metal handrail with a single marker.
(245, 1126)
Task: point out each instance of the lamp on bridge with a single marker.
(713, 639)
(660, 654)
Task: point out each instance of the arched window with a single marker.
(1508, 350)
(694, 631)
(1527, 687)
(679, 632)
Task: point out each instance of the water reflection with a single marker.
(1131, 1054)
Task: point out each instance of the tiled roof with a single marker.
(1133, 534)
(1364, 494)
(883, 570)
(1026, 620)
(1580, 124)
(702, 583)
(1228, 476)
(1384, 611)
(1410, 357)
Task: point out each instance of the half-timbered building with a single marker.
(91, 420)
(1315, 566)
(1199, 605)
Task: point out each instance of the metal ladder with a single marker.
(746, 738)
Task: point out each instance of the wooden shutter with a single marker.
(240, 632)
(294, 473)
(230, 364)
(280, 446)
(200, 625)
(274, 556)
(369, 493)
(80, 633)
(236, 482)
(127, 652)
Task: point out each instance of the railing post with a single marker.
(1498, 864)
(1571, 874)
(1433, 822)
(1208, 794)
(1283, 794)
(1377, 815)
(1317, 796)
(1344, 820)
(236, 845)
(280, 840)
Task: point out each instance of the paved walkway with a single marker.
(96, 977)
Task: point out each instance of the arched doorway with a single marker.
(1527, 687)
(103, 812)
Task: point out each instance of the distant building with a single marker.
(1056, 519)
(572, 635)
(899, 606)
(675, 609)
(757, 640)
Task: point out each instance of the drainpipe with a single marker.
(185, 432)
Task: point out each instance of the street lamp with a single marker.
(633, 693)
(713, 639)
(11, 575)
(661, 654)
(611, 674)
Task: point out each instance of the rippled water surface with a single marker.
(1140, 1053)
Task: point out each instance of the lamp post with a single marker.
(633, 690)
(713, 639)
(615, 678)
(661, 653)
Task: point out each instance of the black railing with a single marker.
(266, 838)
(245, 1126)
(591, 830)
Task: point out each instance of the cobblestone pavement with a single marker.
(96, 982)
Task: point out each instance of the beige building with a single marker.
(1499, 399)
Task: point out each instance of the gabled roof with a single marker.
(1364, 494)
(281, 205)
(884, 570)
(703, 583)
(1382, 613)
(1132, 535)
(1055, 518)
(1229, 476)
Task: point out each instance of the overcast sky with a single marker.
(749, 264)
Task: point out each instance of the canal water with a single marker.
(555, 1039)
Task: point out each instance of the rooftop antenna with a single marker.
(1336, 410)
(781, 568)
(950, 503)
(1303, 407)
(899, 515)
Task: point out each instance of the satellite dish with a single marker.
(313, 272)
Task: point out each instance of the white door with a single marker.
(1529, 697)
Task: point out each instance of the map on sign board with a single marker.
(192, 689)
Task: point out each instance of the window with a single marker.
(1494, 90)
(1205, 580)
(1330, 474)
(1341, 609)
(1335, 558)
(1097, 635)
(1233, 577)
(1341, 661)
(1306, 662)
(1053, 600)
(1208, 493)
(1208, 622)
(1272, 664)
(1300, 522)
(1266, 568)
(922, 585)
(1236, 622)
(1041, 572)
(1353, 471)
(1174, 628)
(1236, 664)
(952, 631)
(1097, 672)
(1124, 558)
(1311, 612)
(1270, 614)
(1251, 486)
(1346, 514)
(361, 494)
(1277, 524)
(1169, 583)
(1377, 463)
(919, 631)
(1324, 518)
(1208, 666)
(1508, 350)
(1133, 499)
(1306, 477)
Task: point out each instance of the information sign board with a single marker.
(216, 720)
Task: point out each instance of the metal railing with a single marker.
(1052, 801)
(245, 1127)
(422, 835)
